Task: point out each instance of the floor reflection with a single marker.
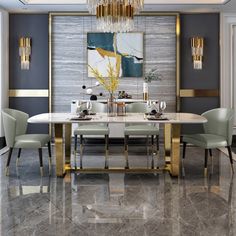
(121, 204)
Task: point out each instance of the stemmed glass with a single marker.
(89, 106)
(162, 106)
(78, 107)
(149, 103)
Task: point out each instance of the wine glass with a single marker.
(149, 103)
(89, 106)
(162, 106)
(78, 107)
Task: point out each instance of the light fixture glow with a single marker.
(197, 44)
(25, 52)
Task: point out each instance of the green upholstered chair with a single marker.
(15, 126)
(92, 129)
(139, 129)
(217, 133)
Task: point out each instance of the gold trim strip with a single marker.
(199, 93)
(28, 93)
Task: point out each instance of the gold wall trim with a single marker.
(28, 93)
(199, 93)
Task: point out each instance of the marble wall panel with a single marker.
(69, 59)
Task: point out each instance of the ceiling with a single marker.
(150, 5)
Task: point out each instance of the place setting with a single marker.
(157, 110)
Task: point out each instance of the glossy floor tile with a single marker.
(118, 204)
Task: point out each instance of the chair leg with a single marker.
(157, 154)
(49, 157)
(8, 161)
(147, 147)
(75, 150)
(210, 152)
(152, 140)
(41, 160)
(184, 149)
(18, 157)
(126, 152)
(231, 158)
(106, 150)
(205, 164)
(81, 151)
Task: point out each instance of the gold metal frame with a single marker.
(28, 93)
(199, 93)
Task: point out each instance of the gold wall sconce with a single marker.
(197, 44)
(24, 52)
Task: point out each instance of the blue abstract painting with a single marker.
(122, 50)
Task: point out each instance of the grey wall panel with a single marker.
(69, 59)
(36, 27)
(32, 106)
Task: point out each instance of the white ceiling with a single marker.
(150, 5)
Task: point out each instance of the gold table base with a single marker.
(171, 145)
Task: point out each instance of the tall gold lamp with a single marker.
(197, 44)
(25, 52)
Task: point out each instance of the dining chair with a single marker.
(15, 126)
(91, 130)
(132, 129)
(217, 133)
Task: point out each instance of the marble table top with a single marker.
(174, 118)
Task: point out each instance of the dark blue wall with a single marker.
(34, 26)
(205, 25)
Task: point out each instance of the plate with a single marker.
(157, 118)
(81, 118)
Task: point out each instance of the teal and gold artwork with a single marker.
(123, 50)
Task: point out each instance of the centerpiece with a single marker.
(110, 84)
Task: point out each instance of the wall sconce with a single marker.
(24, 52)
(197, 44)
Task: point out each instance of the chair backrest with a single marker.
(220, 122)
(96, 107)
(14, 123)
(99, 107)
(137, 107)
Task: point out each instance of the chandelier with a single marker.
(115, 15)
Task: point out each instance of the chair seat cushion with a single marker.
(92, 130)
(205, 140)
(31, 140)
(141, 130)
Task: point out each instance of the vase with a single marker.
(111, 105)
(145, 91)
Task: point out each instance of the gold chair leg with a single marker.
(18, 157)
(106, 151)
(205, 164)
(81, 151)
(126, 152)
(7, 171)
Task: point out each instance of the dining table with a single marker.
(172, 122)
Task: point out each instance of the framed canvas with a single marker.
(122, 50)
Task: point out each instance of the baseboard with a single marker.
(2, 142)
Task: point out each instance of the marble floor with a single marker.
(118, 204)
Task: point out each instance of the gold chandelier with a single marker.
(115, 15)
